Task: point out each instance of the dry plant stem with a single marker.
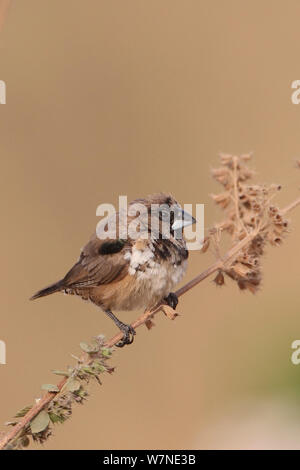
(217, 265)
(140, 321)
(115, 339)
(291, 206)
(236, 196)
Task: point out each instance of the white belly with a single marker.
(159, 280)
(154, 279)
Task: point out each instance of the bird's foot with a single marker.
(128, 334)
(172, 300)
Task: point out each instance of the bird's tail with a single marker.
(56, 287)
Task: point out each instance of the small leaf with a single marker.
(10, 423)
(40, 422)
(85, 347)
(149, 324)
(82, 393)
(60, 372)
(73, 385)
(98, 380)
(88, 370)
(99, 367)
(169, 312)
(106, 352)
(89, 348)
(50, 387)
(56, 418)
(23, 412)
(24, 441)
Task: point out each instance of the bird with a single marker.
(133, 272)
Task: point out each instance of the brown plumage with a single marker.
(125, 274)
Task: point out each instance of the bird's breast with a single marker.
(154, 276)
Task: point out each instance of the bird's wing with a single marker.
(100, 262)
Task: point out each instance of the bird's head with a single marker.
(162, 215)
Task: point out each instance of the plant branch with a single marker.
(141, 320)
(291, 206)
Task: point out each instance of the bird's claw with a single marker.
(172, 300)
(128, 335)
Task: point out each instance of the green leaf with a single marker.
(82, 393)
(99, 367)
(73, 385)
(60, 372)
(23, 412)
(50, 387)
(88, 370)
(98, 380)
(89, 348)
(56, 418)
(40, 422)
(24, 441)
(106, 352)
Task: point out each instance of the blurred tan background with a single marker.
(132, 97)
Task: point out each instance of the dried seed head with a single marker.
(205, 246)
(241, 269)
(222, 199)
(41, 437)
(256, 207)
(252, 286)
(248, 211)
(219, 279)
(246, 156)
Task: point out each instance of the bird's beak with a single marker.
(184, 219)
